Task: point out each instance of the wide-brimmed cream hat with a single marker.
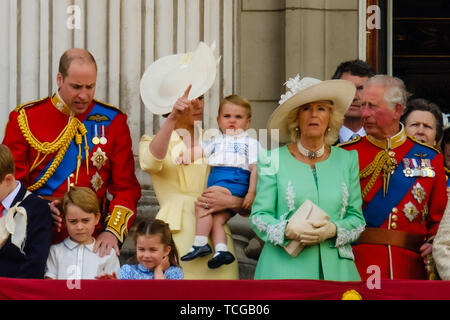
(306, 90)
(166, 79)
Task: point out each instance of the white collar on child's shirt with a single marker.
(236, 136)
(70, 244)
(7, 202)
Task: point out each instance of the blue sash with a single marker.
(380, 207)
(69, 161)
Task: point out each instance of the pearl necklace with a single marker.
(310, 154)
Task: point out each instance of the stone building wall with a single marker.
(279, 39)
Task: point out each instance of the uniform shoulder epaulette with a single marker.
(343, 144)
(108, 105)
(423, 144)
(29, 104)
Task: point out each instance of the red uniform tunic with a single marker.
(112, 172)
(418, 212)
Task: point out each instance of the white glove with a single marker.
(295, 229)
(324, 230)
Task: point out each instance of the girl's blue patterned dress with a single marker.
(139, 272)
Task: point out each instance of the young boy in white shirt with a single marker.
(74, 258)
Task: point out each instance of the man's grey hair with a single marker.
(395, 90)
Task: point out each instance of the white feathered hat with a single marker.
(167, 78)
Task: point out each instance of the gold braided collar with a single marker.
(389, 143)
(59, 104)
(384, 162)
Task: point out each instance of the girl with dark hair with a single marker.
(156, 253)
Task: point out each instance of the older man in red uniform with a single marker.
(403, 187)
(71, 139)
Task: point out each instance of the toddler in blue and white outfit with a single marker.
(232, 156)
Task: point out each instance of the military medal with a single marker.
(103, 139)
(99, 158)
(418, 192)
(95, 139)
(96, 182)
(408, 172)
(414, 165)
(407, 165)
(426, 163)
(410, 211)
(417, 171)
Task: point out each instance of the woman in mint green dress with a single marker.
(308, 168)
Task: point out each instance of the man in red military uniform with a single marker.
(72, 139)
(403, 187)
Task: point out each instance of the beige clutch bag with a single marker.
(308, 211)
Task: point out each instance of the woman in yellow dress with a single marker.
(178, 186)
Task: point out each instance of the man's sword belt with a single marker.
(396, 238)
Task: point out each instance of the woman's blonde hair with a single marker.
(237, 100)
(82, 197)
(334, 124)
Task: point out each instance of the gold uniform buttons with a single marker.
(394, 217)
(116, 220)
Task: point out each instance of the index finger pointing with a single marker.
(186, 93)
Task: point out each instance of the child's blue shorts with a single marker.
(234, 179)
